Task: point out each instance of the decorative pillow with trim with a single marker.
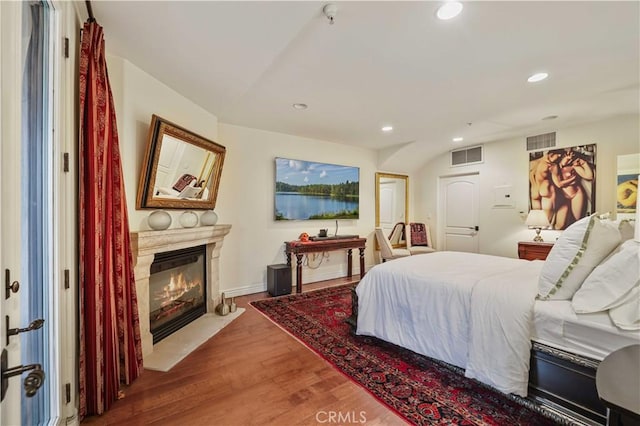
(610, 282)
(580, 248)
(626, 228)
(419, 234)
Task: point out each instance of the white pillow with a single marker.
(580, 248)
(627, 315)
(610, 281)
(626, 228)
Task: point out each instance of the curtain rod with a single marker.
(89, 10)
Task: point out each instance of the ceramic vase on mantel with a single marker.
(209, 218)
(159, 220)
(188, 219)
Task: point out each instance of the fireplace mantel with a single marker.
(145, 245)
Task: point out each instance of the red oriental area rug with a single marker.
(420, 389)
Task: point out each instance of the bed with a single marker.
(482, 313)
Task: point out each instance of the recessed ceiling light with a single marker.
(300, 106)
(550, 117)
(458, 139)
(449, 10)
(387, 128)
(537, 77)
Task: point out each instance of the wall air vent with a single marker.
(546, 140)
(466, 156)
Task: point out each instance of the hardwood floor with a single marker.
(250, 373)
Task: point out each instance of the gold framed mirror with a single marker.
(181, 169)
(392, 205)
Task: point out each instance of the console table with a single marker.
(299, 249)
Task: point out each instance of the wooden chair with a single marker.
(387, 252)
(419, 239)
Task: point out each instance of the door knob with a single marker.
(32, 382)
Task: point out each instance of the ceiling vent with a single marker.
(546, 140)
(465, 156)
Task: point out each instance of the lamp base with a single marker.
(538, 237)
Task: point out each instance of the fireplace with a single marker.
(177, 290)
(146, 245)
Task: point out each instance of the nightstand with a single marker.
(531, 250)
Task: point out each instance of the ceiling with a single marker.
(389, 63)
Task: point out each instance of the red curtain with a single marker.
(110, 348)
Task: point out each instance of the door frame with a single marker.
(65, 208)
(66, 184)
(441, 223)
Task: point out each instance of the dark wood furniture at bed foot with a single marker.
(565, 382)
(531, 250)
(618, 383)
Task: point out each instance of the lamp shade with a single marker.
(537, 219)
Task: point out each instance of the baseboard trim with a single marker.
(262, 287)
(243, 291)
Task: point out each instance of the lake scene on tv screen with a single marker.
(306, 190)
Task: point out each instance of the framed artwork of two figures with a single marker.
(562, 183)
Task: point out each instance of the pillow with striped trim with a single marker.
(580, 248)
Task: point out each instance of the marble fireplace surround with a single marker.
(146, 244)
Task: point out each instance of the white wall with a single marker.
(137, 96)
(246, 193)
(506, 163)
(246, 200)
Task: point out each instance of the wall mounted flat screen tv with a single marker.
(306, 190)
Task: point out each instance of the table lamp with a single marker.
(537, 219)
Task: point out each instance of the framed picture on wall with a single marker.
(307, 190)
(562, 183)
(627, 185)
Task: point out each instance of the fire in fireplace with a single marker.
(177, 290)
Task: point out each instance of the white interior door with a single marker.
(392, 195)
(387, 206)
(170, 155)
(459, 198)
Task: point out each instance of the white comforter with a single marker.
(470, 310)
